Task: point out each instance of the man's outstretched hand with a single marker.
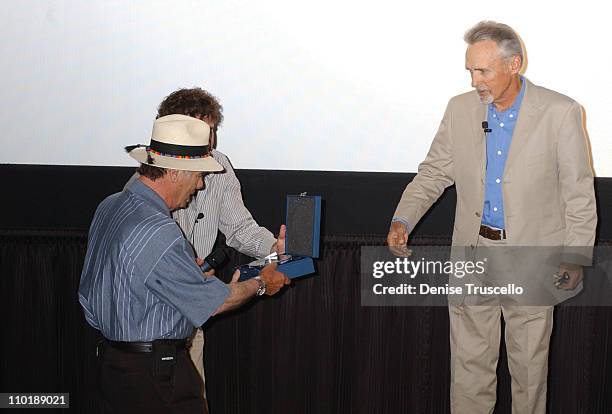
(397, 239)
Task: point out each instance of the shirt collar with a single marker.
(516, 105)
(146, 192)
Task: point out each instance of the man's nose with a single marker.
(200, 184)
(475, 80)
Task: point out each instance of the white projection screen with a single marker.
(305, 85)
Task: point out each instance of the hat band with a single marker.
(179, 150)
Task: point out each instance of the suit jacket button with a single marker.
(477, 214)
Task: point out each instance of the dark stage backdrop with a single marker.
(312, 349)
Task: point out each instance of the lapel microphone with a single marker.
(214, 260)
(486, 129)
(200, 216)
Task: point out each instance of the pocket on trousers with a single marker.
(130, 391)
(188, 388)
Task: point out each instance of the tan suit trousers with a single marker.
(475, 333)
(196, 353)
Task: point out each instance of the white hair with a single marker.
(503, 35)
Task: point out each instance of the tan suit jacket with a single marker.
(547, 184)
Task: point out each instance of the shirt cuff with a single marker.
(409, 227)
(266, 246)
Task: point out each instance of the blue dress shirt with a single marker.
(498, 144)
(140, 281)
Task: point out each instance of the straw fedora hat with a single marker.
(178, 142)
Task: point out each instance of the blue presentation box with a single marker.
(303, 223)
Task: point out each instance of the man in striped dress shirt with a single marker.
(141, 286)
(219, 203)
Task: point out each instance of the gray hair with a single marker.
(506, 39)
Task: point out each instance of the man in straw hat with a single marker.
(140, 284)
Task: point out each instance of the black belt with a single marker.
(147, 347)
(492, 234)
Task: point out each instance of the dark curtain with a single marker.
(311, 349)
(47, 346)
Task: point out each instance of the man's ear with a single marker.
(515, 64)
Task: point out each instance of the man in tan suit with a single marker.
(523, 178)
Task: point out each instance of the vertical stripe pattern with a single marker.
(221, 205)
(139, 280)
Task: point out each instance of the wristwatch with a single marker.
(262, 286)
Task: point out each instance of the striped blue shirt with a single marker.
(140, 281)
(498, 144)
